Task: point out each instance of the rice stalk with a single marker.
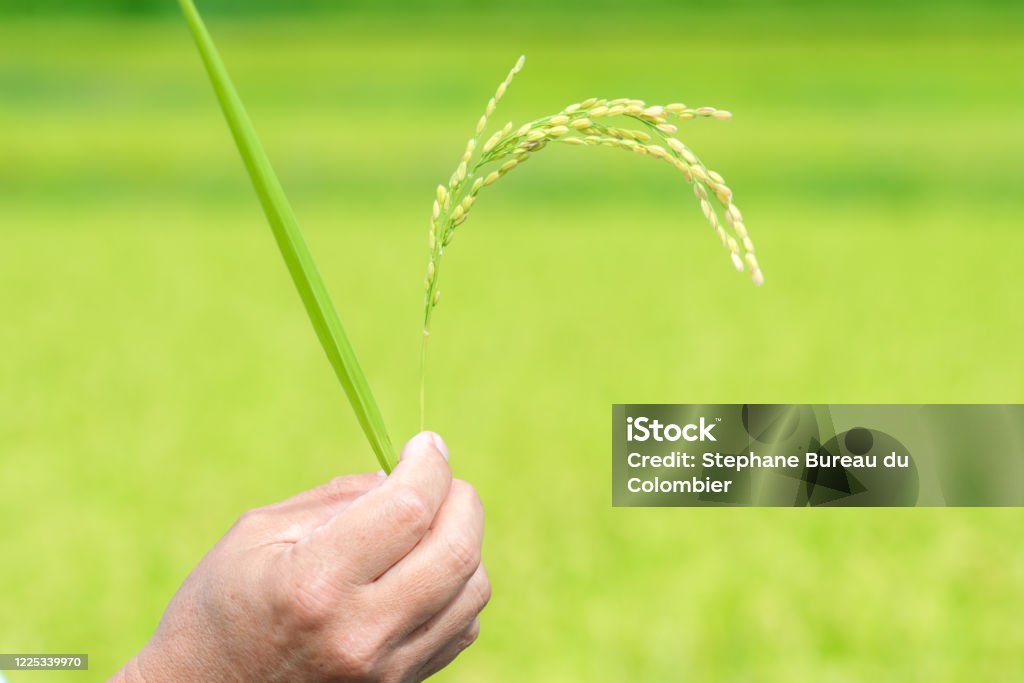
(292, 245)
(627, 124)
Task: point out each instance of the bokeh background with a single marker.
(158, 375)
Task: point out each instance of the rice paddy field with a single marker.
(158, 375)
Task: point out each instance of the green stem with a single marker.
(293, 247)
(423, 379)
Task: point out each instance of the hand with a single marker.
(364, 578)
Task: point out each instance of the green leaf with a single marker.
(292, 245)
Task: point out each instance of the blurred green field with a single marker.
(158, 377)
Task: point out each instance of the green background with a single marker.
(158, 375)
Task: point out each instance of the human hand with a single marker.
(364, 578)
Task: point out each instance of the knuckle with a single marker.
(249, 519)
(463, 554)
(469, 492)
(484, 591)
(471, 635)
(350, 485)
(357, 659)
(338, 486)
(409, 507)
(308, 601)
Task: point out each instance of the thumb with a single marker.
(382, 526)
(421, 443)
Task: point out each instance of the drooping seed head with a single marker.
(586, 120)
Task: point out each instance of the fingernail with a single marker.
(440, 445)
(421, 443)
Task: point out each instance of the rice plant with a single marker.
(626, 124)
(622, 123)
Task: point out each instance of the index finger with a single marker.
(378, 529)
